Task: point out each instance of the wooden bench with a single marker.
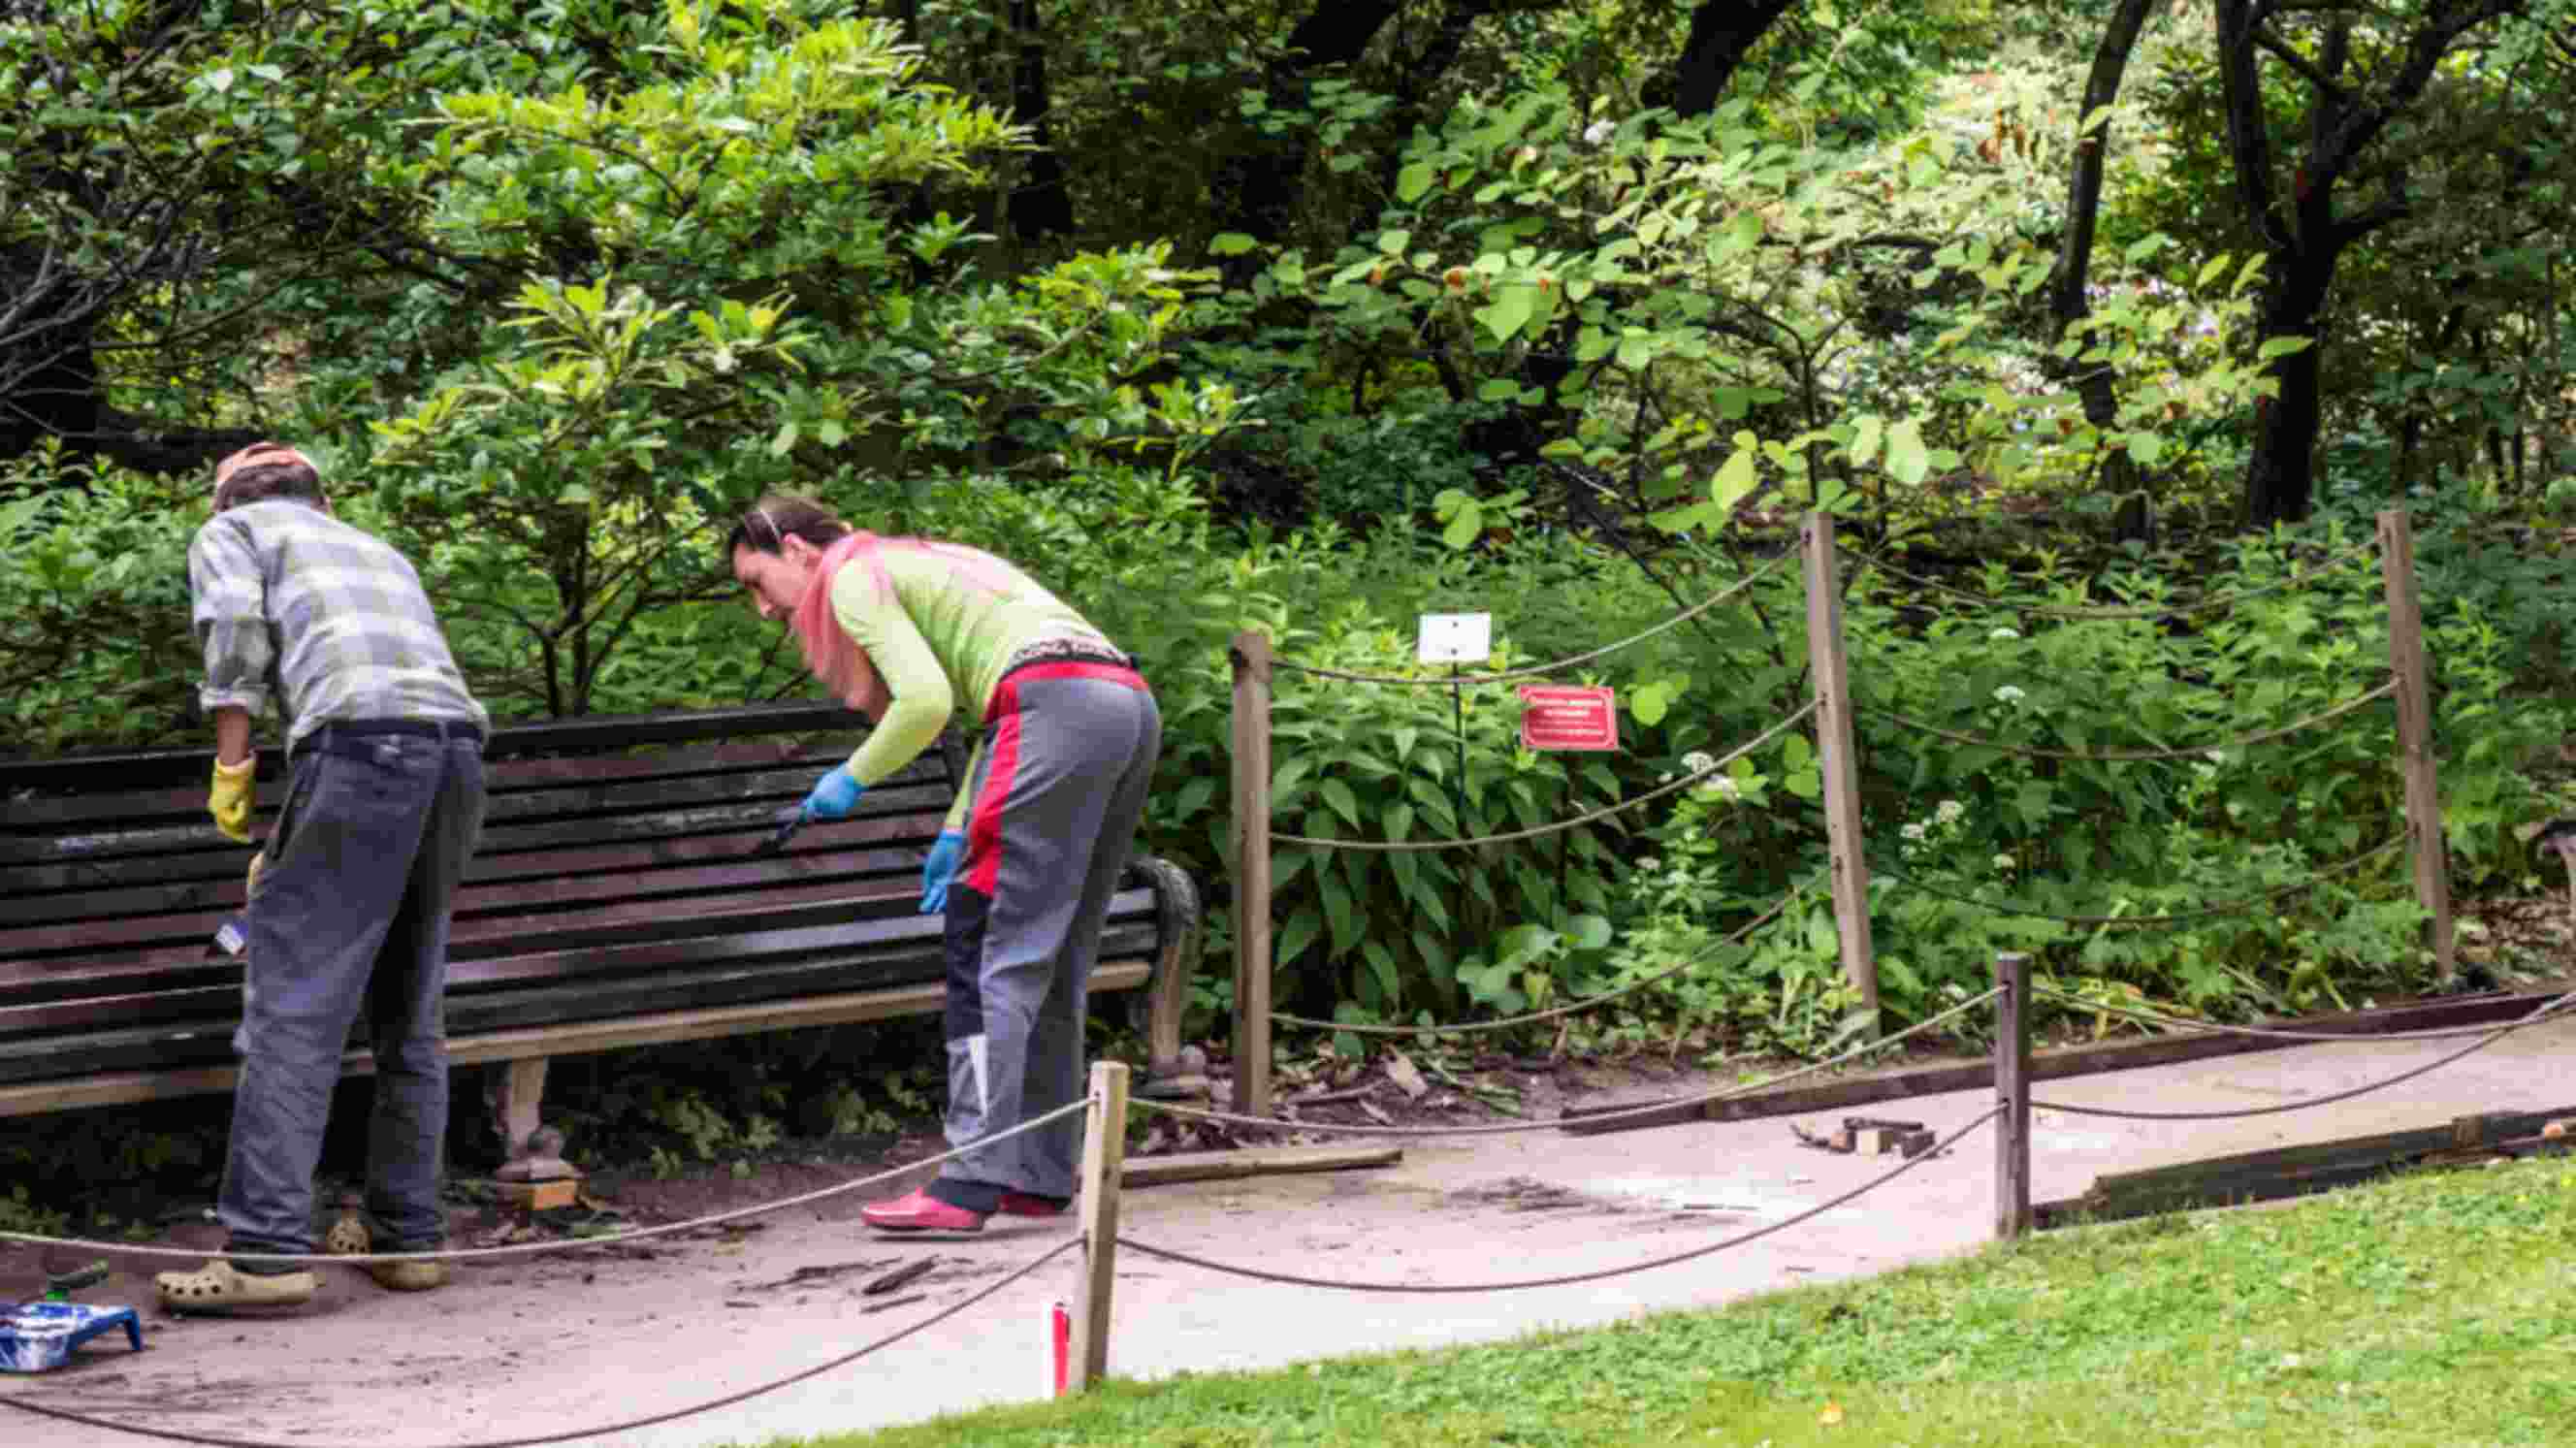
(615, 901)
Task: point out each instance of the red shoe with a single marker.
(920, 1212)
(1021, 1204)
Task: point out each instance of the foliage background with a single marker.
(1315, 321)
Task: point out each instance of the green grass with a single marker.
(2439, 1309)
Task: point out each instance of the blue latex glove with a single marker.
(938, 869)
(835, 795)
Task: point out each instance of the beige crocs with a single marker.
(408, 1276)
(219, 1286)
(350, 1237)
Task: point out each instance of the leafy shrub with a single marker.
(2231, 835)
(95, 643)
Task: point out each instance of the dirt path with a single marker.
(526, 1348)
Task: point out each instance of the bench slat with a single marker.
(621, 882)
(588, 944)
(208, 1040)
(110, 771)
(679, 798)
(916, 810)
(613, 897)
(187, 804)
(816, 851)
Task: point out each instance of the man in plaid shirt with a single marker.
(350, 898)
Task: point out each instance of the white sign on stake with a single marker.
(1457, 638)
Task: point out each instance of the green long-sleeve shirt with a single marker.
(938, 622)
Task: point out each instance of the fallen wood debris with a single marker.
(1191, 1166)
(2487, 1008)
(1871, 1136)
(2293, 1171)
(908, 1272)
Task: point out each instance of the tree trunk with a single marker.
(2280, 477)
(49, 383)
(1040, 206)
(1721, 35)
(1257, 188)
(48, 377)
(2069, 303)
(2303, 238)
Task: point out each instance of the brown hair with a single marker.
(288, 477)
(779, 516)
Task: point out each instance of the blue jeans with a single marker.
(352, 910)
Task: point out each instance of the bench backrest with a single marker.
(614, 878)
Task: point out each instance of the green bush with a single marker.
(2235, 831)
(95, 644)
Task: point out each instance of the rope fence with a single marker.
(1552, 667)
(2210, 604)
(1570, 1008)
(1108, 1103)
(172, 1435)
(1565, 1279)
(2010, 999)
(2241, 905)
(2272, 1033)
(2489, 1038)
(2127, 756)
(1610, 1118)
(569, 1244)
(1830, 710)
(1676, 786)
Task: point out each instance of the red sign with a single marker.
(1567, 716)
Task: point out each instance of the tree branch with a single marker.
(2067, 305)
(2249, 139)
(2291, 56)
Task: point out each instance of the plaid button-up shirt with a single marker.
(325, 620)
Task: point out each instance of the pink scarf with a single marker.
(841, 664)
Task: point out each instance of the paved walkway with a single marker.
(1456, 1210)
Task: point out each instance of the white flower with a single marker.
(1698, 763)
(1720, 788)
(1950, 812)
(1912, 832)
(2003, 862)
(2005, 633)
(1598, 132)
(2008, 694)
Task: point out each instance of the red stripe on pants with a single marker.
(984, 817)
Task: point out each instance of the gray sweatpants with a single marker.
(1069, 751)
(352, 911)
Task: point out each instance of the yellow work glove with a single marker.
(229, 799)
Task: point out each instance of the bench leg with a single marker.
(533, 1151)
(1173, 1070)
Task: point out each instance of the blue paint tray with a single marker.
(40, 1335)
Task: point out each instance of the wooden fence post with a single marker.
(1252, 873)
(1841, 768)
(1104, 1157)
(2415, 739)
(2012, 1095)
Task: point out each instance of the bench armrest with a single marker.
(1180, 928)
